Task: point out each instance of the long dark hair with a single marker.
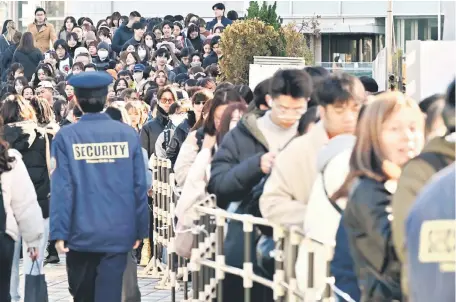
(72, 19)
(115, 16)
(221, 97)
(27, 44)
(14, 67)
(225, 122)
(5, 159)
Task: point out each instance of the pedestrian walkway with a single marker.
(56, 279)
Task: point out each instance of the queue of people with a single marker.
(325, 152)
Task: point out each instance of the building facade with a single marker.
(352, 31)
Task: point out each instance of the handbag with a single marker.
(35, 287)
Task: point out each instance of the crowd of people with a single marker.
(325, 151)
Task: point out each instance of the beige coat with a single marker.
(186, 158)
(45, 38)
(23, 214)
(288, 188)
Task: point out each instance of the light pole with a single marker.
(389, 41)
(439, 22)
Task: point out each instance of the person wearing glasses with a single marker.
(166, 96)
(287, 190)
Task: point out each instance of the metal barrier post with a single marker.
(279, 274)
(220, 257)
(248, 265)
(194, 263)
(295, 240)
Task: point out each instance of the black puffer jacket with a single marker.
(151, 131)
(235, 169)
(179, 136)
(30, 61)
(366, 220)
(30, 142)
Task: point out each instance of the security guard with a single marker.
(98, 194)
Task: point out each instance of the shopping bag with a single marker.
(35, 287)
(130, 288)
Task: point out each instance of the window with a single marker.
(55, 11)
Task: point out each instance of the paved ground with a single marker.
(56, 279)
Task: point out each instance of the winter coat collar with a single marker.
(249, 125)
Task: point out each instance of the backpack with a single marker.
(437, 160)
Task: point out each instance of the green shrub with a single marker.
(243, 40)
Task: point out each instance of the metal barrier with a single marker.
(207, 262)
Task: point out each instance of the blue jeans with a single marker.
(37, 269)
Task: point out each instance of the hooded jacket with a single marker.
(322, 219)
(236, 167)
(151, 131)
(415, 175)
(27, 138)
(23, 214)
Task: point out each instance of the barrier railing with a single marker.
(207, 262)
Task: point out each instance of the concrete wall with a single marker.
(428, 67)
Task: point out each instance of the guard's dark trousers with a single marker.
(95, 277)
(6, 263)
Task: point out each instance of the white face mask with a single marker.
(149, 43)
(138, 76)
(142, 53)
(103, 54)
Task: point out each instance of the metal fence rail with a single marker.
(207, 262)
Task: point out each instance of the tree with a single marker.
(243, 40)
(267, 13)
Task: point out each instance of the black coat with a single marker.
(131, 41)
(6, 59)
(122, 35)
(179, 136)
(182, 68)
(30, 61)
(210, 59)
(25, 138)
(151, 131)
(235, 169)
(369, 235)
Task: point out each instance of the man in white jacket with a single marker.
(20, 214)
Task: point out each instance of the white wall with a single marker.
(430, 67)
(100, 9)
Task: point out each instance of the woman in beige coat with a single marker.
(20, 214)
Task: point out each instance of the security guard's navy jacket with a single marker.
(430, 229)
(98, 186)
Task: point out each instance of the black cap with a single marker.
(91, 84)
(220, 6)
